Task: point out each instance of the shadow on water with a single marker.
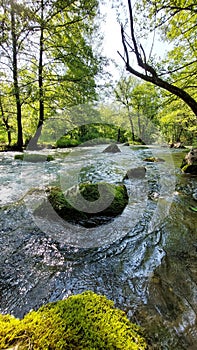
(145, 262)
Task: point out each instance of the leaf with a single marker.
(193, 208)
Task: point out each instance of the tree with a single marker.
(66, 65)
(47, 59)
(141, 101)
(123, 93)
(187, 15)
(13, 34)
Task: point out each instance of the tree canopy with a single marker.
(47, 61)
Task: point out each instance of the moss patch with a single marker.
(81, 322)
(34, 158)
(115, 195)
(154, 160)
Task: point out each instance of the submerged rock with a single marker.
(83, 321)
(113, 148)
(88, 205)
(33, 158)
(136, 173)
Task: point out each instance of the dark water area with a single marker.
(145, 260)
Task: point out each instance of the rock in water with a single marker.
(136, 173)
(113, 148)
(189, 164)
(89, 205)
(154, 160)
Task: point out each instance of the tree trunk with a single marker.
(33, 144)
(131, 123)
(5, 122)
(15, 79)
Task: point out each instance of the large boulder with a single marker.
(135, 173)
(113, 148)
(88, 204)
(189, 164)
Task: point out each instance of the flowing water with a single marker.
(144, 260)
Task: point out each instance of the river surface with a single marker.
(144, 260)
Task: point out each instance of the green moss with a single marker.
(153, 159)
(90, 192)
(81, 322)
(34, 158)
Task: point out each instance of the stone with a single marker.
(189, 164)
(87, 204)
(33, 157)
(113, 148)
(177, 145)
(135, 173)
(154, 160)
(190, 169)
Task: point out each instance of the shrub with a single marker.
(66, 142)
(81, 322)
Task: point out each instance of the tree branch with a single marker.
(150, 74)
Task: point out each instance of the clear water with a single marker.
(144, 260)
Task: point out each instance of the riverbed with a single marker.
(144, 260)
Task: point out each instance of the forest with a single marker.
(54, 74)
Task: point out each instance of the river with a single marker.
(144, 260)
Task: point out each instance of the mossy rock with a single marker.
(33, 158)
(84, 321)
(92, 197)
(154, 160)
(190, 169)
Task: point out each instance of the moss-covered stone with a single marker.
(84, 321)
(154, 159)
(64, 206)
(190, 169)
(33, 158)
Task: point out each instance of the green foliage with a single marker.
(193, 209)
(59, 77)
(34, 158)
(92, 131)
(64, 142)
(75, 205)
(82, 322)
(141, 103)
